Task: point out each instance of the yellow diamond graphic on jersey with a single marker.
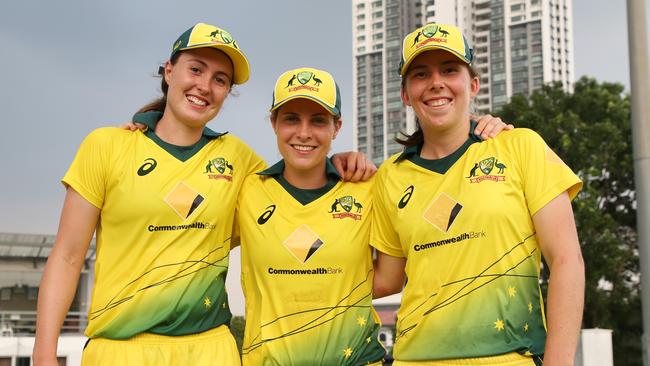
(303, 243)
(442, 212)
(184, 200)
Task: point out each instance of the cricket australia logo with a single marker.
(303, 78)
(487, 167)
(429, 33)
(220, 165)
(348, 204)
(224, 37)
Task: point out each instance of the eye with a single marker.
(221, 80)
(450, 69)
(195, 70)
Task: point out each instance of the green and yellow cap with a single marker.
(431, 37)
(308, 83)
(206, 35)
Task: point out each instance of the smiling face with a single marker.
(439, 87)
(304, 131)
(199, 81)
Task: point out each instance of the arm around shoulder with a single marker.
(59, 282)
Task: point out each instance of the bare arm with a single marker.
(59, 283)
(489, 126)
(354, 166)
(389, 275)
(556, 233)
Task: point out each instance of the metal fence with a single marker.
(23, 323)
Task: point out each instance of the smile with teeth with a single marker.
(303, 147)
(197, 101)
(438, 102)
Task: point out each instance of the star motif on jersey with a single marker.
(512, 291)
(530, 307)
(499, 325)
(207, 303)
(361, 321)
(368, 339)
(347, 352)
(526, 327)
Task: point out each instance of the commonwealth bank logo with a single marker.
(442, 212)
(303, 243)
(184, 200)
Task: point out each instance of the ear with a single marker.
(405, 97)
(273, 124)
(168, 71)
(475, 85)
(337, 127)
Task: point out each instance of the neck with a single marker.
(306, 179)
(441, 143)
(172, 131)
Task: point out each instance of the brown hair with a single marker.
(417, 137)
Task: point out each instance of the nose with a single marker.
(303, 130)
(436, 81)
(203, 84)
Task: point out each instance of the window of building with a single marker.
(32, 293)
(377, 14)
(361, 27)
(516, 7)
(5, 294)
(516, 19)
(361, 49)
(377, 46)
(361, 16)
(377, 36)
(376, 4)
(361, 38)
(377, 25)
(361, 6)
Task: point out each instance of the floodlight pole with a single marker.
(640, 105)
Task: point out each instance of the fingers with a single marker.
(351, 166)
(131, 126)
(339, 164)
(360, 168)
(371, 169)
(489, 127)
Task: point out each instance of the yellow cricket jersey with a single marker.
(307, 275)
(164, 232)
(473, 260)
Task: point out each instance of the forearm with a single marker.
(565, 305)
(389, 275)
(56, 292)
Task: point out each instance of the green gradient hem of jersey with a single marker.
(189, 301)
(518, 327)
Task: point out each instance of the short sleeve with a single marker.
(544, 174)
(383, 236)
(87, 174)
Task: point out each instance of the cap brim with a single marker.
(241, 69)
(406, 65)
(331, 110)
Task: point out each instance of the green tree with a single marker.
(237, 325)
(590, 130)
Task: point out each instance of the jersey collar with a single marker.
(278, 169)
(412, 154)
(151, 118)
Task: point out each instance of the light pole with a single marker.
(640, 95)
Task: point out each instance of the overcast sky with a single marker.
(70, 66)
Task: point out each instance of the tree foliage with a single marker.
(237, 324)
(590, 129)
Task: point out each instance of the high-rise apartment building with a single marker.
(518, 46)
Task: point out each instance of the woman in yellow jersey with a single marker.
(162, 203)
(467, 222)
(306, 265)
